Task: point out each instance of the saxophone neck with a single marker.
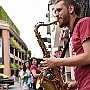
(54, 22)
(44, 24)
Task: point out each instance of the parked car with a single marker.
(5, 79)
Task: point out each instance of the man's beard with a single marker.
(65, 21)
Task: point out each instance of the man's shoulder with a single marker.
(84, 19)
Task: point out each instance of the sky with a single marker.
(26, 14)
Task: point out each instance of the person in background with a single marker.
(67, 13)
(26, 75)
(35, 71)
(13, 76)
(19, 75)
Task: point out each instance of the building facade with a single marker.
(12, 48)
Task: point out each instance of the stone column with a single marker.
(5, 36)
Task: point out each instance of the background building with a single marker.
(12, 48)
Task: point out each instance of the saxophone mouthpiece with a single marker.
(54, 22)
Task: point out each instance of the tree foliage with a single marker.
(29, 54)
(15, 66)
(16, 45)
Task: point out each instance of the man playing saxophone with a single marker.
(67, 11)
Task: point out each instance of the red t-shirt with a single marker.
(80, 34)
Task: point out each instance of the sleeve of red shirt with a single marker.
(84, 28)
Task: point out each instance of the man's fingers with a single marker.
(44, 59)
(43, 63)
(44, 68)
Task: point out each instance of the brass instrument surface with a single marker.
(55, 81)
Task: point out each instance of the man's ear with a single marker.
(71, 9)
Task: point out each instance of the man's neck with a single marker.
(72, 20)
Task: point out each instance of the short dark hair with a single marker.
(32, 59)
(35, 59)
(77, 6)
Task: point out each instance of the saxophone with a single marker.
(54, 82)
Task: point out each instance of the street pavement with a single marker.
(16, 86)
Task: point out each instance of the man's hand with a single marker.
(50, 62)
(71, 85)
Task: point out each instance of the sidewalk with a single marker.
(16, 79)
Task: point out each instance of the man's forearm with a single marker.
(77, 60)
